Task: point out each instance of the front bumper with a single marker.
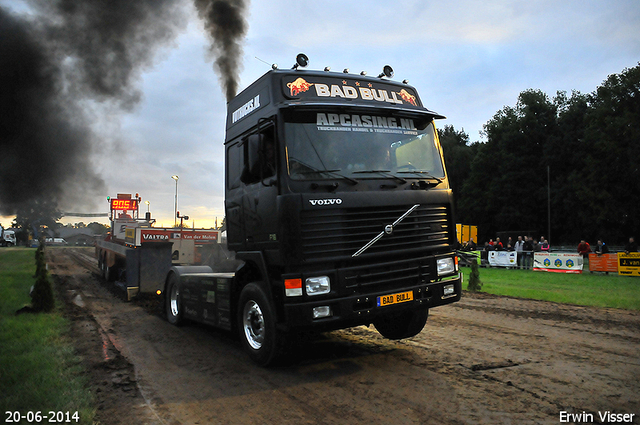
(359, 310)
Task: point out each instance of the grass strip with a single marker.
(586, 289)
(39, 371)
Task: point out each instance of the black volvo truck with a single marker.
(338, 209)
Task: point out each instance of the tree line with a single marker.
(580, 150)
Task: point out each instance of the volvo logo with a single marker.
(336, 201)
(388, 229)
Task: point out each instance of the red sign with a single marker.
(163, 235)
(124, 204)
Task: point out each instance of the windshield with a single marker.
(326, 145)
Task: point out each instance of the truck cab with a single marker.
(339, 205)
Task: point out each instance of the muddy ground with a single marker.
(484, 360)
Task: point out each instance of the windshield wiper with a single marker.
(313, 170)
(386, 173)
(426, 173)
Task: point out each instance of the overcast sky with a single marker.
(467, 59)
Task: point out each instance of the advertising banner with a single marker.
(159, 235)
(603, 263)
(503, 258)
(629, 264)
(561, 262)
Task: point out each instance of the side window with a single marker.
(260, 155)
(235, 164)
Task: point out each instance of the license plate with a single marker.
(401, 297)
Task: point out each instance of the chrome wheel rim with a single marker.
(253, 324)
(173, 301)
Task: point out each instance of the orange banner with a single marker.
(603, 263)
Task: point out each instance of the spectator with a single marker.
(632, 246)
(484, 255)
(472, 245)
(536, 246)
(584, 248)
(520, 251)
(601, 248)
(527, 248)
(498, 245)
(544, 244)
(509, 247)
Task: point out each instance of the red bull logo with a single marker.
(407, 97)
(298, 86)
(356, 91)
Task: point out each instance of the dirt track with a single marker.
(484, 360)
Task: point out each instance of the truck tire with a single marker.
(401, 325)
(257, 325)
(103, 269)
(111, 273)
(173, 301)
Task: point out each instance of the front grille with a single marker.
(388, 275)
(339, 233)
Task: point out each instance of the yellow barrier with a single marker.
(629, 264)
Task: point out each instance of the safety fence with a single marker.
(562, 262)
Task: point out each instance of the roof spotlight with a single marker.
(327, 68)
(301, 60)
(346, 70)
(363, 73)
(387, 71)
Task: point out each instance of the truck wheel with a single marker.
(173, 302)
(401, 325)
(257, 325)
(111, 273)
(104, 270)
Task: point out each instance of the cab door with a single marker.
(251, 202)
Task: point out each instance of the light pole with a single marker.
(175, 204)
(548, 203)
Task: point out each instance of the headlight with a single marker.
(445, 266)
(318, 285)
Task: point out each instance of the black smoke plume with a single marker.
(226, 26)
(68, 64)
(62, 65)
(42, 142)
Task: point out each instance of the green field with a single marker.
(39, 371)
(598, 290)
